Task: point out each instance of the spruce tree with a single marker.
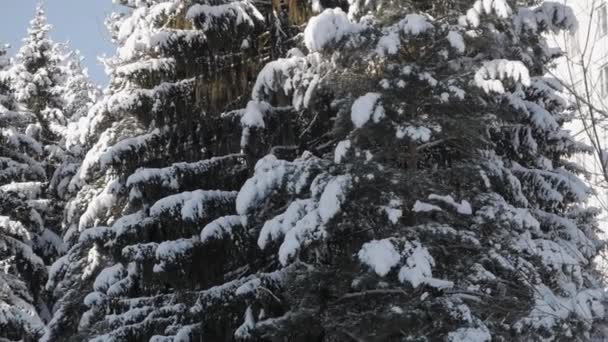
(433, 198)
(42, 91)
(37, 82)
(78, 95)
(164, 160)
(22, 176)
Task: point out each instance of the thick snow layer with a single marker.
(222, 227)
(418, 267)
(470, 335)
(114, 153)
(99, 205)
(244, 331)
(272, 174)
(31, 190)
(191, 205)
(380, 255)
(171, 176)
(14, 228)
(243, 12)
(415, 24)
(464, 207)
(296, 77)
(152, 65)
(393, 211)
(254, 114)
(487, 7)
(279, 225)
(108, 276)
(456, 41)
(269, 175)
(412, 24)
(551, 16)
(425, 207)
(328, 28)
(415, 133)
(341, 150)
(172, 251)
(333, 196)
(311, 227)
(551, 309)
(365, 108)
(489, 77)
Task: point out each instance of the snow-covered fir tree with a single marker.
(400, 175)
(78, 94)
(165, 161)
(432, 198)
(41, 90)
(22, 270)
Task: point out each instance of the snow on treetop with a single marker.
(327, 28)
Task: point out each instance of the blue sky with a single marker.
(79, 21)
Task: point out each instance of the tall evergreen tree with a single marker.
(41, 91)
(165, 161)
(78, 95)
(438, 202)
(22, 271)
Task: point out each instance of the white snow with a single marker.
(171, 252)
(15, 228)
(333, 196)
(425, 207)
(311, 227)
(415, 24)
(365, 108)
(191, 205)
(108, 277)
(464, 207)
(470, 335)
(243, 12)
(341, 150)
(456, 41)
(327, 28)
(418, 134)
(244, 331)
(393, 211)
(254, 114)
(380, 255)
(490, 75)
(498, 7)
(418, 267)
(221, 227)
(279, 225)
(412, 24)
